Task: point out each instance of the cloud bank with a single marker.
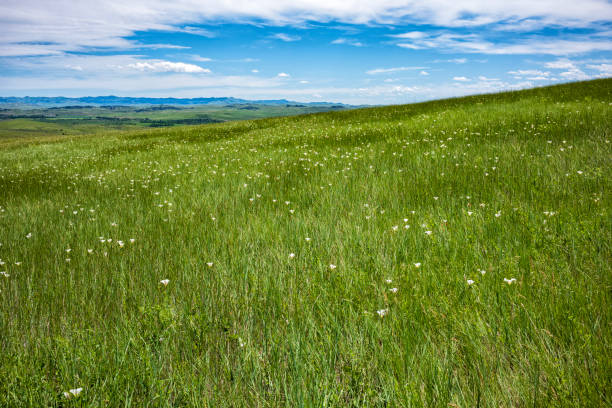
(42, 27)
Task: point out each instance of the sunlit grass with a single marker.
(448, 253)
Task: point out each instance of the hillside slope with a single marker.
(449, 253)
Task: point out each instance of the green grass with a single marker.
(72, 121)
(516, 185)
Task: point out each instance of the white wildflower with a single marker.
(73, 393)
(382, 312)
(164, 282)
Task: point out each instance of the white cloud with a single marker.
(167, 66)
(424, 73)
(532, 74)
(604, 69)
(254, 71)
(410, 46)
(348, 41)
(413, 35)
(283, 75)
(526, 72)
(389, 70)
(197, 31)
(551, 47)
(66, 25)
(200, 59)
(484, 78)
(304, 82)
(575, 74)
(286, 37)
(452, 60)
(560, 64)
(573, 70)
(473, 43)
(529, 24)
(388, 90)
(460, 79)
(17, 50)
(161, 46)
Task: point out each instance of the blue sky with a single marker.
(359, 52)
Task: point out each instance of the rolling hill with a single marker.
(448, 253)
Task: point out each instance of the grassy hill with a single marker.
(449, 253)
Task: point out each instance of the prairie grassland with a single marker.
(47, 123)
(450, 253)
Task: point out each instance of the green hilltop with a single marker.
(447, 253)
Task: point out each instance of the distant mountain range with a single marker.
(111, 100)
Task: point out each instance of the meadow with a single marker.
(453, 253)
(36, 122)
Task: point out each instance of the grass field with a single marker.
(37, 122)
(450, 253)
